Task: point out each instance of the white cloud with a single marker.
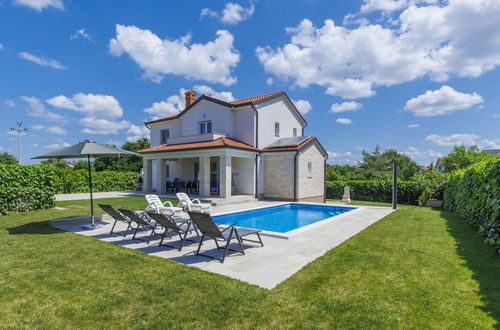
(441, 102)
(56, 130)
(423, 41)
(43, 61)
(232, 13)
(269, 81)
(207, 90)
(10, 103)
(34, 145)
(81, 33)
(383, 5)
(415, 153)
(341, 158)
(102, 126)
(345, 106)
(38, 127)
(176, 103)
(117, 143)
(135, 132)
(303, 106)
(213, 61)
(39, 5)
(453, 139)
(1, 46)
(413, 125)
(57, 145)
(37, 109)
(91, 105)
(344, 121)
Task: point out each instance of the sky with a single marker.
(417, 75)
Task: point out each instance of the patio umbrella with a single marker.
(87, 149)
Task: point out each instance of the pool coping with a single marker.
(291, 233)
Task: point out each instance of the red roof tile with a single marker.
(218, 143)
(257, 98)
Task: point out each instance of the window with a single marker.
(309, 169)
(294, 132)
(205, 127)
(276, 129)
(164, 135)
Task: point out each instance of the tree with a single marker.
(462, 157)
(8, 159)
(377, 165)
(127, 163)
(59, 163)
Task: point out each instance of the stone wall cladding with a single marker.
(315, 185)
(278, 175)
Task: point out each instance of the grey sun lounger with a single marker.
(209, 228)
(169, 224)
(117, 217)
(140, 224)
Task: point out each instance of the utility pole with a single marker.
(20, 130)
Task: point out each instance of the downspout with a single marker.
(258, 154)
(295, 174)
(257, 175)
(324, 182)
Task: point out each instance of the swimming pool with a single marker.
(282, 218)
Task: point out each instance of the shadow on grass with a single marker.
(34, 228)
(481, 259)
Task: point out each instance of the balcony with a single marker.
(194, 138)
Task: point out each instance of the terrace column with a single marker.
(204, 176)
(147, 179)
(225, 176)
(161, 173)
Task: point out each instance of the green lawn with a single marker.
(416, 268)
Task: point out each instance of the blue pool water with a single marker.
(282, 218)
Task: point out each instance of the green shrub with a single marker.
(26, 188)
(434, 183)
(376, 191)
(76, 181)
(474, 193)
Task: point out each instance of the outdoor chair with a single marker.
(189, 204)
(169, 225)
(140, 223)
(117, 217)
(209, 228)
(155, 204)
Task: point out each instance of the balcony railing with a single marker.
(194, 138)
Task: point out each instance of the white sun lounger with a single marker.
(156, 205)
(194, 204)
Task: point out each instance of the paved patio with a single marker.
(265, 266)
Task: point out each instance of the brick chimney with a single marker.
(190, 97)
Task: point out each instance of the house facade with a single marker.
(255, 146)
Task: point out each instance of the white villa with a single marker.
(255, 146)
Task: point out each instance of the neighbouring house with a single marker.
(255, 146)
(493, 152)
(440, 165)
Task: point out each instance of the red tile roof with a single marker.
(237, 102)
(257, 98)
(290, 147)
(218, 143)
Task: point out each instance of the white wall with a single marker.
(174, 126)
(244, 125)
(221, 117)
(276, 110)
(245, 181)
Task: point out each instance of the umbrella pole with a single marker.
(91, 198)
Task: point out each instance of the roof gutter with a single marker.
(256, 126)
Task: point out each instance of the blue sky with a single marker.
(417, 75)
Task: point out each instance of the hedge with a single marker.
(76, 181)
(26, 188)
(474, 193)
(376, 191)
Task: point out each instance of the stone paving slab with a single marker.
(263, 266)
